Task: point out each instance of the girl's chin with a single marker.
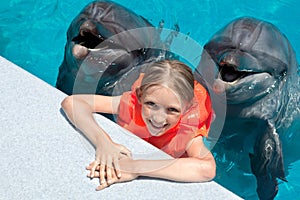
(155, 134)
(155, 131)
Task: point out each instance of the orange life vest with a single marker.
(194, 122)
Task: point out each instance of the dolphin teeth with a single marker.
(98, 49)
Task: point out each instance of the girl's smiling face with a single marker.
(161, 109)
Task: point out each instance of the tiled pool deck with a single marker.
(43, 157)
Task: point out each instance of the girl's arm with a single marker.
(79, 109)
(198, 167)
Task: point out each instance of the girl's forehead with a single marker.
(163, 89)
(163, 93)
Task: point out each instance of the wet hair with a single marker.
(173, 74)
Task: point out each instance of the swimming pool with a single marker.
(33, 35)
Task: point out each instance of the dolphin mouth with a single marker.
(88, 39)
(229, 72)
(88, 35)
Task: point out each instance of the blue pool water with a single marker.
(33, 35)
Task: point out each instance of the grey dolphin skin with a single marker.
(254, 66)
(104, 42)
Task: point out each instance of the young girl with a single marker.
(168, 109)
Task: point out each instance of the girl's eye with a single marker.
(150, 103)
(174, 110)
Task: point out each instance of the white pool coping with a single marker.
(43, 157)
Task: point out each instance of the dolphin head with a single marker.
(247, 59)
(104, 41)
(252, 64)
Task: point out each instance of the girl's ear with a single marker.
(138, 93)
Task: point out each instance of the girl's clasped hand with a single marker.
(107, 162)
(109, 176)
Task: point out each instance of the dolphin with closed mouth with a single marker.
(253, 66)
(104, 42)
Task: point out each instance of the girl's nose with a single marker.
(159, 117)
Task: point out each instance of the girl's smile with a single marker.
(161, 109)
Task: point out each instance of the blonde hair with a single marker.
(173, 74)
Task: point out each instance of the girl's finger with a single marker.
(97, 167)
(102, 174)
(96, 175)
(117, 166)
(89, 175)
(93, 167)
(90, 168)
(109, 170)
(114, 175)
(102, 186)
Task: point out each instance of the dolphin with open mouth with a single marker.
(104, 42)
(253, 66)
